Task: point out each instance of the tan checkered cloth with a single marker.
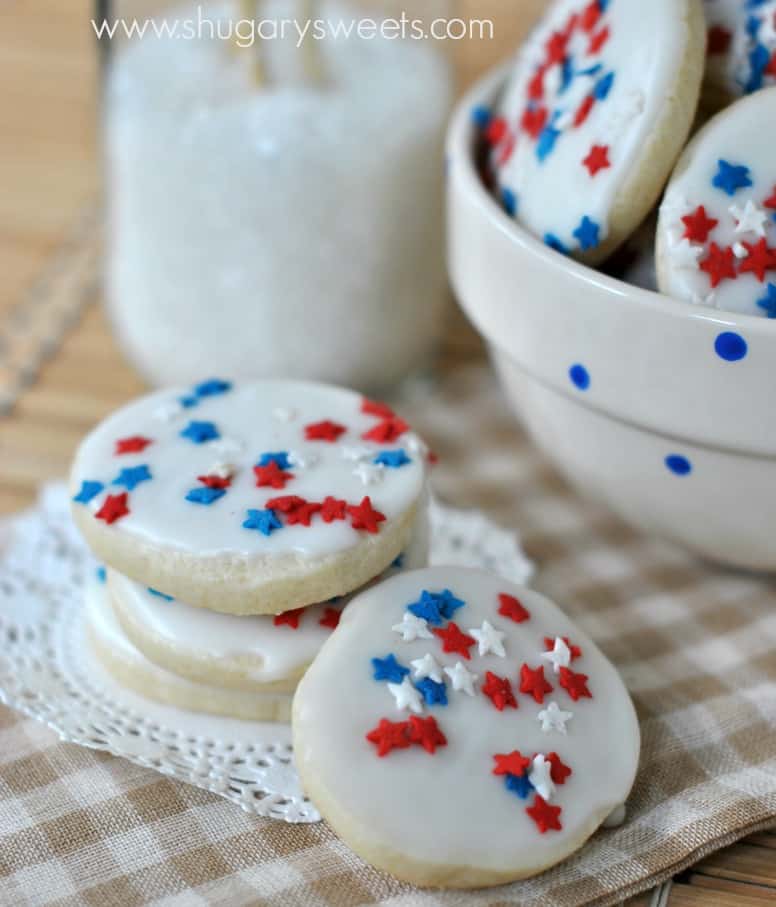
(696, 645)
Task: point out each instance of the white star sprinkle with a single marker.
(370, 473)
(412, 628)
(283, 414)
(406, 696)
(166, 412)
(302, 461)
(739, 250)
(751, 218)
(356, 454)
(540, 779)
(489, 639)
(226, 446)
(222, 470)
(427, 666)
(685, 254)
(461, 678)
(553, 718)
(559, 655)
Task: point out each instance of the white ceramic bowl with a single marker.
(665, 410)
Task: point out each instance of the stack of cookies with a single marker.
(235, 522)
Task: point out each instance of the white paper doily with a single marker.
(48, 672)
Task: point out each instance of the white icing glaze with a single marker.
(742, 43)
(739, 136)
(248, 426)
(470, 818)
(644, 51)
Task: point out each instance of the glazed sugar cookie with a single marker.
(598, 107)
(460, 731)
(256, 652)
(250, 499)
(134, 671)
(716, 237)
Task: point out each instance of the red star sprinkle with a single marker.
(271, 476)
(719, 264)
(331, 618)
(698, 225)
(454, 640)
(496, 130)
(533, 682)
(333, 509)
(510, 607)
(324, 431)
(376, 408)
(499, 691)
(559, 771)
(364, 516)
(583, 112)
(536, 85)
(114, 507)
(770, 69)
(719, 40)
(597, 159)
(534, 120)
(549, 645)
(598, 40)
(426, 733)
(590, 15)
(544, 815)
(295, 509)
(135, 444)
(215, 481)
(759, 260)
(389, 735)
(387, 431)
(504, 154)
(555, 47)
(289, 618)
(514, 763)
(770, 202)
(574, 684)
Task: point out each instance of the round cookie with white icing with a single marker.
(716, 236)
(458, 730)
(250, 498)
(133, 670)
(599, 105)
(251, 652)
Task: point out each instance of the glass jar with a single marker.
(275, 202)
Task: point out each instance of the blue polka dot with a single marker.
(679, 465)
(730, 346)
(580, 376)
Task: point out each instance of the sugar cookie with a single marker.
(249, 498)
(716, 236)
(599, 104)
(134, 671)
(458, 730)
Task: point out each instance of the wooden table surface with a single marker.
(48, 158)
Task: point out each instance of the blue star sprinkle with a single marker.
(587, 233)
(731, 177)
(100, 574)
(158, 594)
(389, 669)
(130, 477)
(603, 86)
(759, 58)
(393, 459)
(518, 784)
(509, 201)
(481, 116)
(200, 432)
(426, 607)
(212, 387)
(551, 240)
(188, 401)
(768, 302)
(398, 561)
(88, 491)
(448, 603)
(280, 457)
(264, 521)
(547, 138)
(205, 495)
(566, 74)
(433, 693)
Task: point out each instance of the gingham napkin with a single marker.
(695, 644)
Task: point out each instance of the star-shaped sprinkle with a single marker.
(499, 691)
(511, 607)
(541, 778)
(553, 718)
(519, 784)
(215, 481)
(583, 112)
(386, 431)
(330, 618)
(389, 735)
(587, 234)
(433, 692)
(750, 218)
(760, 259)
(271, 476)
(546, 817)
(684, 254)
(264, 521)
(559, 655)
(768, 302)
(411, 628)
(289, 618)
(427, 666)
(134, 444)
(489, 639)
(324, 431)
(597, 41)
(130, 477)
(448, 603)
(533, 682)
(770, 202)
(461, 678)
(212, 387)
(406, 696)
(376, 408)
(389, 668)
(87, 491)
(574, 684)
(731, 177)
(574, 650)
(514, 763)
(558, 770)
(333, 509)
(280, 457)
(454, 639)
(364, 516)
(739, 250)
(597, 159)
(296, 510)
(200, 432)
(428, 606)
(369, 473)
(426, 733)
(114, 507)
(392, 459)
(188, 400)
(205, 495)
(698, 225)
(719, 264)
